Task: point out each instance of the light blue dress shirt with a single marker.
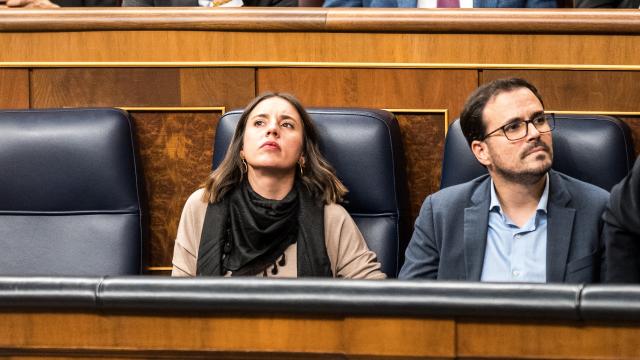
(515, 254)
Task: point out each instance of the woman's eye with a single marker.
(258, 123)
(287, 125)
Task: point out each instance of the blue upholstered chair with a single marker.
(69, 194)
(365, 148)
(595, 149)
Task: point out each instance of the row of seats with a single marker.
(71, 188)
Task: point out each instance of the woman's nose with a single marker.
(272, 128)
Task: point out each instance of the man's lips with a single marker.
(536, 149)
(270, 145)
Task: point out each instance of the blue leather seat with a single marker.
(592, 148)
(69, 194)
(365, 148)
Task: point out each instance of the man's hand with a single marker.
(41, 4)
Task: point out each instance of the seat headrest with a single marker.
(66, 160)
(362, 146)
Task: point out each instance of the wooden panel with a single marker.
(392, 49)
(423, 141)
(205, 336)
(14, 89)
(394, 337)
(143, 87)
(580, 90)
(231, 87)
(546, 341)
(105, 87)
(174, 333)
(375, 88)
(176, 152)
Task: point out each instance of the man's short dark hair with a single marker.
(471, 120)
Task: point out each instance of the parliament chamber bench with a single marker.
(153, 317)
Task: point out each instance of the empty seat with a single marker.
(69, 195)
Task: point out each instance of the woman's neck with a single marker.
(271, 185)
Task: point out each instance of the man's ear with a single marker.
(481, 152)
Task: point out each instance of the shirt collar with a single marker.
(542, 204)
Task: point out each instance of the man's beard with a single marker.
(529, 176)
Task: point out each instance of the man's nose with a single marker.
(532, 131)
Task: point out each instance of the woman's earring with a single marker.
(246, 167)
(301, 172)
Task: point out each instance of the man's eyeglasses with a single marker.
(518, 129)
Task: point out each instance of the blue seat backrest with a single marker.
(69, 202)
(592, 148)
(365, 148)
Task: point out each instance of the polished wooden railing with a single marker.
(511, 21)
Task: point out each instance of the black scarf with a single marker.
(245, 233)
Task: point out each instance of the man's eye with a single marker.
(513, 127)
(540, 120)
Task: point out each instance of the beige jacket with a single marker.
(348, 253)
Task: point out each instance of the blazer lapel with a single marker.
(476, 221)
(560, 218)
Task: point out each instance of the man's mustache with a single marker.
(538, 143)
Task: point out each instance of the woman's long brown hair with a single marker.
(318, 176)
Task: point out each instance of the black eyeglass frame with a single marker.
(549, 116)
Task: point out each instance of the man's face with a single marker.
(522, 161)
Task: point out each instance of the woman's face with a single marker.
(273, 136)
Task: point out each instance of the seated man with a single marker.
(523, 222)
(622, 230)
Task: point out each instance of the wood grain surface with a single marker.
(14, 88)
(477, 20)
(512, 340)
(264, 48)
(175, 150)
(197, 335)
(153, 335)
(580, 90)
(423, 142)
(374, 88)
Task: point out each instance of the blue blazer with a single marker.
(413, 3)
(450, 234)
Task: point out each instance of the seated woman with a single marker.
(270, 208)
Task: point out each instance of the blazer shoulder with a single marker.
(460, 192)
(581, 191)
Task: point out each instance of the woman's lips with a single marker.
(270, 145)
